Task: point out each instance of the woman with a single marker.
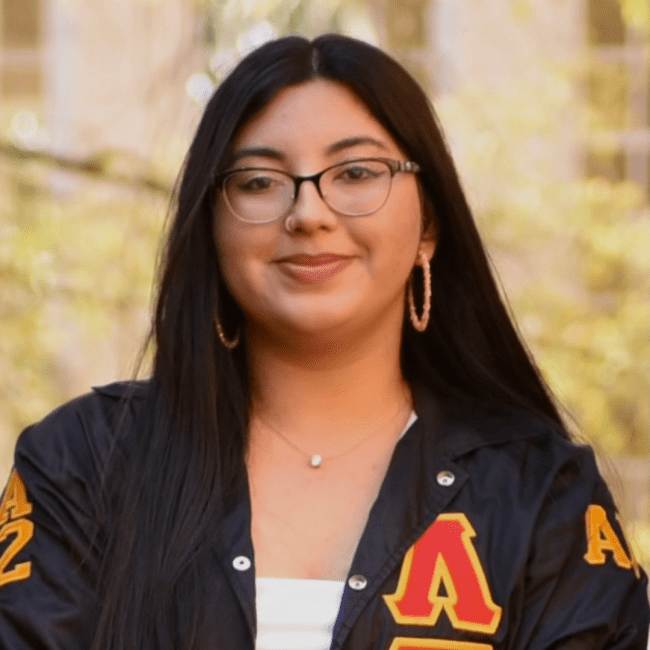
(343, 442)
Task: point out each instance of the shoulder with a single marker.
(76, 437)
(533, 443)
(517, 453)
(523, 470)
(51, 520)
(543, 523)
(533, 450)
(465, 428)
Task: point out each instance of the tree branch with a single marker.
(96, 167)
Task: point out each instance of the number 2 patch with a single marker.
(15, 528)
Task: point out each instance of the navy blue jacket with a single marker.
(490, 532)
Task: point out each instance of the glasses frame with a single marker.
(395, 166)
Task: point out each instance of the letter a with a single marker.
(601, 537)
(14, 503)
(445, 557)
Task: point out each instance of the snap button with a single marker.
(241, 563)
(445, 478)
(357, 583)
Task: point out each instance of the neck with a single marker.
(322, 398)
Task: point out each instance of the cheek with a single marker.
(232, 255)
(223, 242)
(243, 251)
(400, 235)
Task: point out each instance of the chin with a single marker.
(318, 313)
(318, 324)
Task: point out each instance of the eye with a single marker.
(256, 181)
(360, 171)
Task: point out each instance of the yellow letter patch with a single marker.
(601, 537)
(405, 643)
(14, 503)
(14, 509)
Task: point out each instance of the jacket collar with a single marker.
(457, 427)
(119, 389)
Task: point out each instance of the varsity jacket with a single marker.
(490, 532)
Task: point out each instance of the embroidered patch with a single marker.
(601, 537)
(14, 503)
(442, 571)
(405, 643)
(15, 527)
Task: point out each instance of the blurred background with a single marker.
(545, 104)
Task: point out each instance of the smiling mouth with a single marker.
(310, 269)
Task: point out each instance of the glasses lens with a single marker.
(258, 195)
(357, 187)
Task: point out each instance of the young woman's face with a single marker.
(328, 273)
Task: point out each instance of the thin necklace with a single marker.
(316, 460)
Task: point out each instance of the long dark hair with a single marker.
(188, 454)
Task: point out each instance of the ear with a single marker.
(428, 247)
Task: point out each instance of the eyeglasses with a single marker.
(354, 188)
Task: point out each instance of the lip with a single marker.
(314, 260)
(311, 269)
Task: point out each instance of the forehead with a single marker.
(313, 115)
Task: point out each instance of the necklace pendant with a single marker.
(316, 461)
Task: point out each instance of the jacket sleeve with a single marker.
(584, 589)
(47, 565)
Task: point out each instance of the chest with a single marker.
(305, 522)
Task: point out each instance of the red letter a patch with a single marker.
(444, 557)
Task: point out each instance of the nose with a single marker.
(310, 212)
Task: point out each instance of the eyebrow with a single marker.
(258, 152)
(348, 143)
(275, 154)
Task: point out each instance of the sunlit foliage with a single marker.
(78, 238)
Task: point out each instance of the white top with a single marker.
(294, 614)
(298, 614)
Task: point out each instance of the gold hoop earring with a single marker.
(229, 344)
(420, 324)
